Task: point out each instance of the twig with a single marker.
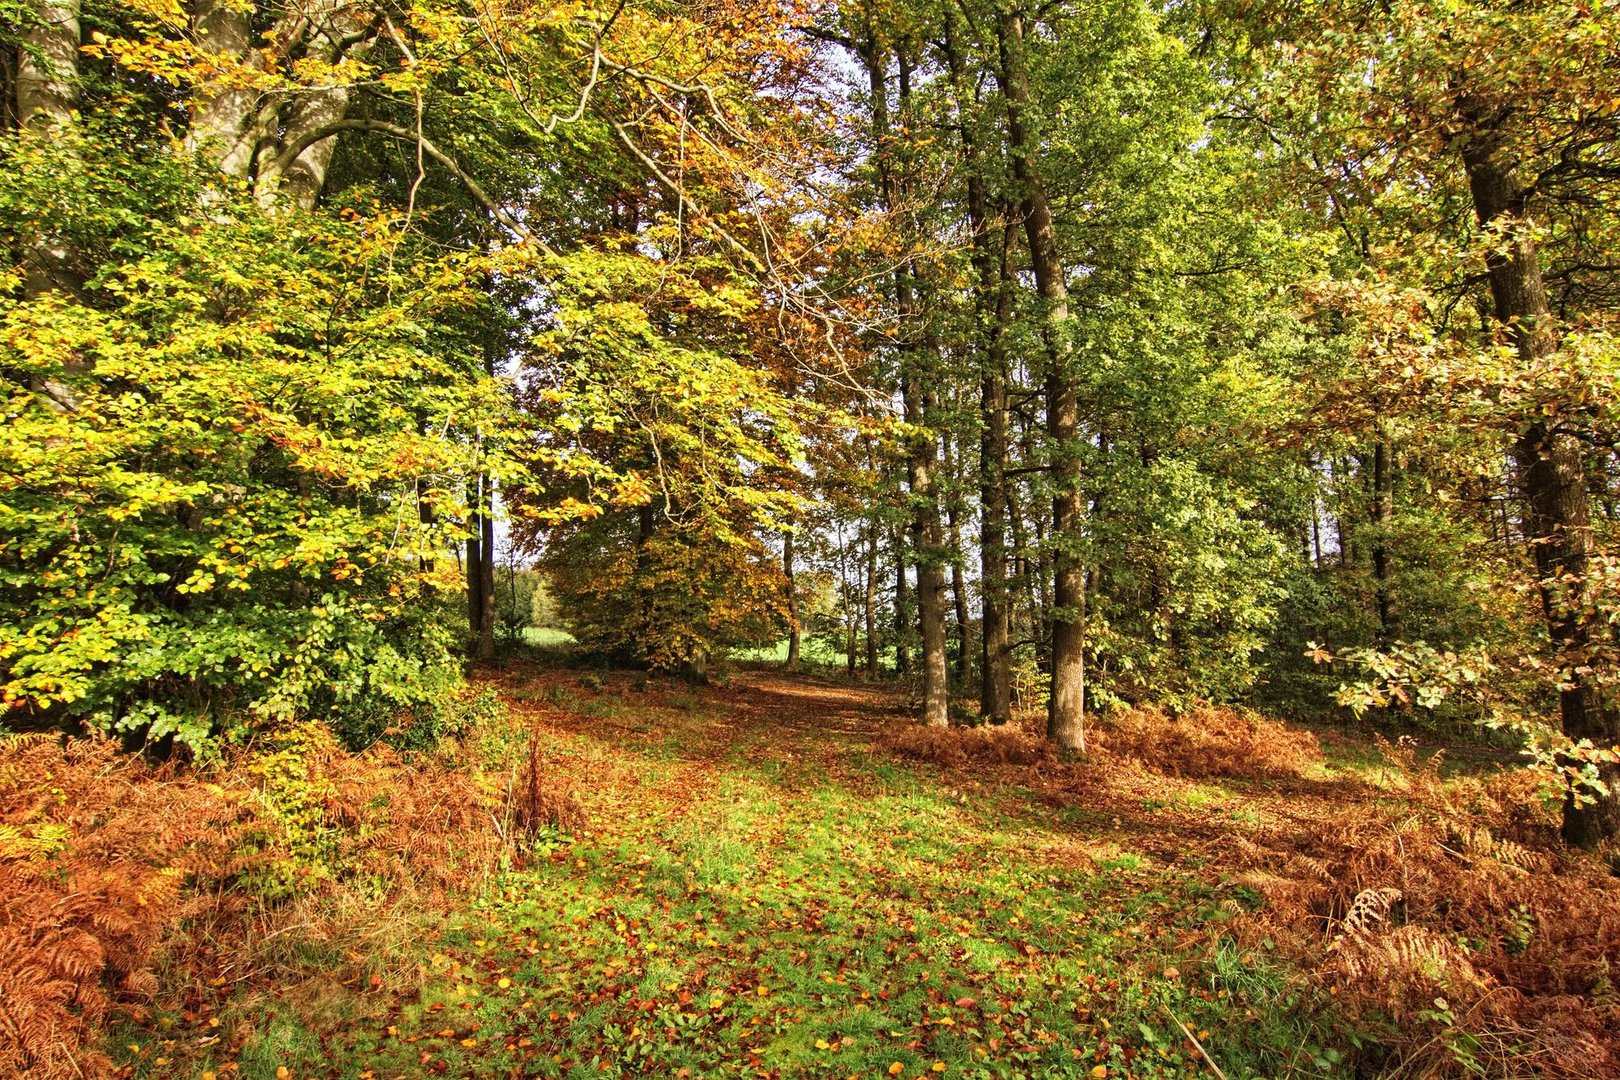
(1216, 1069)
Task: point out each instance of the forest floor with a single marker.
(772, 882)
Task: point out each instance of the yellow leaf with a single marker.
(896, 1069)
(504, 983)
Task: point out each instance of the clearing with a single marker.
(766, 888)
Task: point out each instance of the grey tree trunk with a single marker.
(47, 89)
(992, 255)
(271, 138)
(927, 534)
(871, 600)
(1383, 510)
(959, 590)
(1065, 724)
(47, 80)
(226, 124)
(481, 572)
(902, 607)
(794, 634)
(1551, 467)
(928, 543)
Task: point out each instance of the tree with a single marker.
(1461, 129)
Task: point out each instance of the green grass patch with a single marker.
(755, 899)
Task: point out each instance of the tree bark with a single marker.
(47, 90)
(871, 600)
(227, 123)
(1065, 723)
(995, 696)
(283, 143)
(992, 262)
(927, 542)
(794, 633)
(47, 80)
(959, 599)
(927, 538)
(481, 571)
(486, 617)
(1383, 509)
(902, 607)
(1551, 467)
(298, 173)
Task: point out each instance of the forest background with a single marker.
(1073, 358)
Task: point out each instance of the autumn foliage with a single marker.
(1441, 914)
(1203, 742)
(96, 852)
(110, 866)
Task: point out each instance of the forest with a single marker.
(826, 538)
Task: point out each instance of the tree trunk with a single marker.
(1065, 723)
(47, 89)
(902, 607)
(995, 691)
(992, 262)
(996, 288)
(481, 570)
(851, 624)
(272, 138)
(227, 123)
(1552, 470)
(871, 600)
(927, 542)
(47, 80)
(959, 590)
(927, 538)
(1383, 509)
(474, 569)
(794, 633)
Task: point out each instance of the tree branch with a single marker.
(480, 196)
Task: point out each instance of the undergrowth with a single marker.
(130, 890)
(1454, 933)
(784, 878)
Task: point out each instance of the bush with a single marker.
(207, 525)
(109, 863)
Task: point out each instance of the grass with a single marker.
(546, 637)
(759, 891)
(817, 651)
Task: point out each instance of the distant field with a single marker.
(815, 652)
(547, 637)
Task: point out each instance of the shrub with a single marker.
(1207, 742)
(108, 862)
(219, 528)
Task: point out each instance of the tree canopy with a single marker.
(1071, 356)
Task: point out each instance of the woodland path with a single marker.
(764, 889)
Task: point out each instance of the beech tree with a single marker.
(1487, 131)
(1050, 357)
